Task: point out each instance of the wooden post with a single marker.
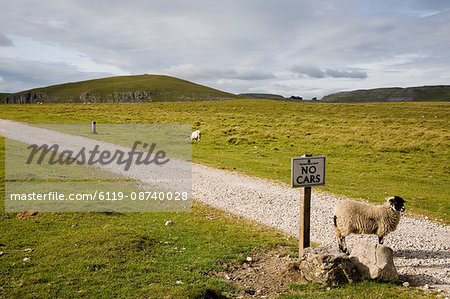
(305, 216)
(94, 131)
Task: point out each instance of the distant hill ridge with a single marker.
(161, 88)
(268, 96)
(139, 88)
(394, 94)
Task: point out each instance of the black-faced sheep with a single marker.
(196, 135)
(351, 217)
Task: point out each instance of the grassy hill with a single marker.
(141, 88)
(267, 96)
(396, 94)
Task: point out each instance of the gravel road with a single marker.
(422, 247)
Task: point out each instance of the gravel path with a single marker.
(422, 248)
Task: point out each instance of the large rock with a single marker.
(324, 265)
(374, 261)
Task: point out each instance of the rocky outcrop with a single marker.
(374, 261)
(26, 97)
(323, 265)
(117, 97)
(30, 97)
(328, 266)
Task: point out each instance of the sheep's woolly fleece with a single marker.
(356, 217)
(422, 248)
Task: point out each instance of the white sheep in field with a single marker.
(351, 217)
(196, 135)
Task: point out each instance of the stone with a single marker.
(26, 214)
(327, 266)
(374, 261)
(169, 222)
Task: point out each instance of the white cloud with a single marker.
(190, 71)
(310, 71)
(26, 48)
(315, 72)
(346, 74)
(21, 74)
(237, 45)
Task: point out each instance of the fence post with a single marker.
(94, 130)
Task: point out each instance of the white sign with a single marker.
(307, 171)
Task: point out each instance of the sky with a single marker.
(307, 48)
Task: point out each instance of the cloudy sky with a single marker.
(308, 48)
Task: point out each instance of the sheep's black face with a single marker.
(397, 203)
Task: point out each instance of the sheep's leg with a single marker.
(343, 245)
(380, 240)
(340, 238)
(341, 242)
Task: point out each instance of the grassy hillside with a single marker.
(267, 96)
(142, 88)
(373, 150)
(410, 94)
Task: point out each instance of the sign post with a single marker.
(306, 172)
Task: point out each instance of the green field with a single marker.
(373, 151)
